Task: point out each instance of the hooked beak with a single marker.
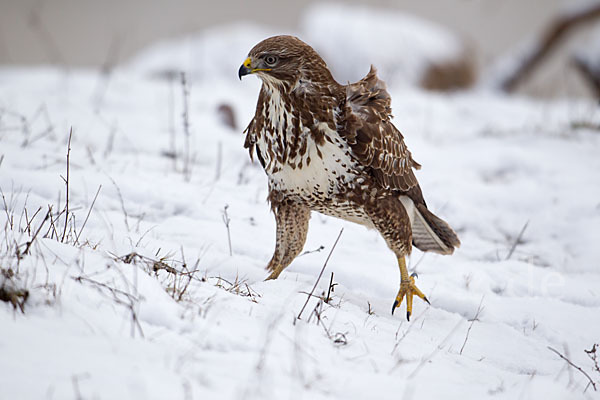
(245, 69)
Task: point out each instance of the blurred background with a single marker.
(542, 48)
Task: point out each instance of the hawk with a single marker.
(333, 149)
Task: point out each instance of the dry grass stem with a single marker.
(226, 221)
(569, 362)
(67, 186)
(119, 296)
(320, 273)
(30, 242)
(475, 318)
(186, 128)
(88, 214)
(517, 241)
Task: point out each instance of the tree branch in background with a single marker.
(590, 73)
(552, 37)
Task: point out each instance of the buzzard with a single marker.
(333, 149)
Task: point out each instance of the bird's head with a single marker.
(284, 60)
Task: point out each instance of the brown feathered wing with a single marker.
(378, 145)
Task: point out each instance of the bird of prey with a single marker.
(333, 149)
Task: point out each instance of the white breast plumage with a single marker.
(313, 170)
(320, 172)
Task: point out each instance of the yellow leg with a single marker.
(407, 289)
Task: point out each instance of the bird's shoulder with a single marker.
(367, 127)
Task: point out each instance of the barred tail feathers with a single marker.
(429, 232)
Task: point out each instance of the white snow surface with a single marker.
(491, 164)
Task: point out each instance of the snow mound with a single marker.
(217, 51)
(401, 46)
(349, 38)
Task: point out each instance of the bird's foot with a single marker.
(408, 289)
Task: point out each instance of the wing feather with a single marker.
(254, 129)
(373, 138)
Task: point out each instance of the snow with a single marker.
(96, 326)
(402, 46)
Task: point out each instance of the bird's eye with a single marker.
(271, 60)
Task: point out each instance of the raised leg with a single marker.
(292, 226)
(391, 220)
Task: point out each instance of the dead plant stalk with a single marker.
(590, 380)
(320, 274)
(475, 318)
(186, 127)
(67, 187)
(226, 221)
(88, 214)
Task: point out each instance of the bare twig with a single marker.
(405, 333)
(320, 273)
(427, 358)
(52, 229)
(9, 219)
(75, 380)
(317, 310)
(28, 220)
(517, 241)
(88, 214)
(370, 309)
(238, 287)
(186, 127)
(118, 296)
(125, 215)
(110, 141)
(475, 318)
(550, 39)
(171, 117)
(29, 243)
(320, 297)
(330, 289)
(591, 381)
(226, 221)
(67, 185)
(593, 355)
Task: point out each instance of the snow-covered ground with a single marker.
(110, 313)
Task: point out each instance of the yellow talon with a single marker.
(407, 289)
